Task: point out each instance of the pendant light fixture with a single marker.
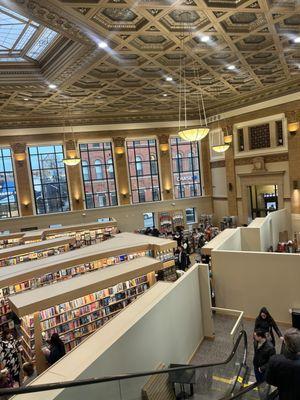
(72, 157)
(198, 132)
(225, 138)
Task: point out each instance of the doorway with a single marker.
(262, 199)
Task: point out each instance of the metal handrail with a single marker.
(90, 381)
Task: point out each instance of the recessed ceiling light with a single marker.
(102, 45)
(25, 99)
(231, 67)
(165, 95)
(297, 39)
(169, 79)
(52, 86)
(205, 38)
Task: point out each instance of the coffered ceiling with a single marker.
(244, 51)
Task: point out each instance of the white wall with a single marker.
(231, 242)
(129, 217)
(164, 325)
(250, 239)
(249, 280)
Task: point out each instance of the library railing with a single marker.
(209, 381)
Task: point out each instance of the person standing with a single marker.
(57, 349)
(263, 351)
(182, 259)
(284, 369)
(10, 359)
(265, 323)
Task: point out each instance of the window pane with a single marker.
(49, 179)
(8, 192)
(98, 173)
(186, 168)
(143, 170)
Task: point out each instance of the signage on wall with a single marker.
(189, 178)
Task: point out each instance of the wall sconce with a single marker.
(26, 203)
(296, 185)
(119, 145)
(124, 195)
(164, 148)
(168, 190)
(20, 158)
(119, 150)
(293, 127)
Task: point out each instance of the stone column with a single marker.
(74, 178)
(230, 177)
(205, 155)
(121, 170)
(23, 179)
(294, 161)
(165, 167)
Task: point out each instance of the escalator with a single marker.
(226, 380)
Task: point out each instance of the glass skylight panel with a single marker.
(16, 32)
(6, 11)
(9, 34)
(46, 38)
(26, 37)
(12, 59)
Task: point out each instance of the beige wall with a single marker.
(129, 217)
(137, 339)
(248, 281)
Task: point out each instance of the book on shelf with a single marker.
(77, 318)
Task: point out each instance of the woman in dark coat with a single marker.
(57, 349)
(265, 323)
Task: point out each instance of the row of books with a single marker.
(67, 273)
(85, 311)
(76, 319)
(5, 262)
(91, 298)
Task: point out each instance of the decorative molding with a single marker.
(217, 164)
(270, 158)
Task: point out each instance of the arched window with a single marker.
(153, 164)
(110, 168)
(98, 169)
(98, 174)
(85, 170)
(139, 165)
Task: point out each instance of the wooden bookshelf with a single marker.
(64, 306)
(32, 251)
(99, 229)
(31, 274)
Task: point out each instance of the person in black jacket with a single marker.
(265, 323)
(183, 259)
(57, 349)
(263, 351)
(284, 369)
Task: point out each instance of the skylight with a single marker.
(22, 39)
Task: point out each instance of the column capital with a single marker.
(163, 139)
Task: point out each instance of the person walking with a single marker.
(263, 351)
(265, 323)
(284, 369)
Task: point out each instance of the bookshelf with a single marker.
(33, 274)
(88, 233)
(10, 239)
(77, 307)
(34, 251)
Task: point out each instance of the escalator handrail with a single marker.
(247, 389)
(89, 381)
